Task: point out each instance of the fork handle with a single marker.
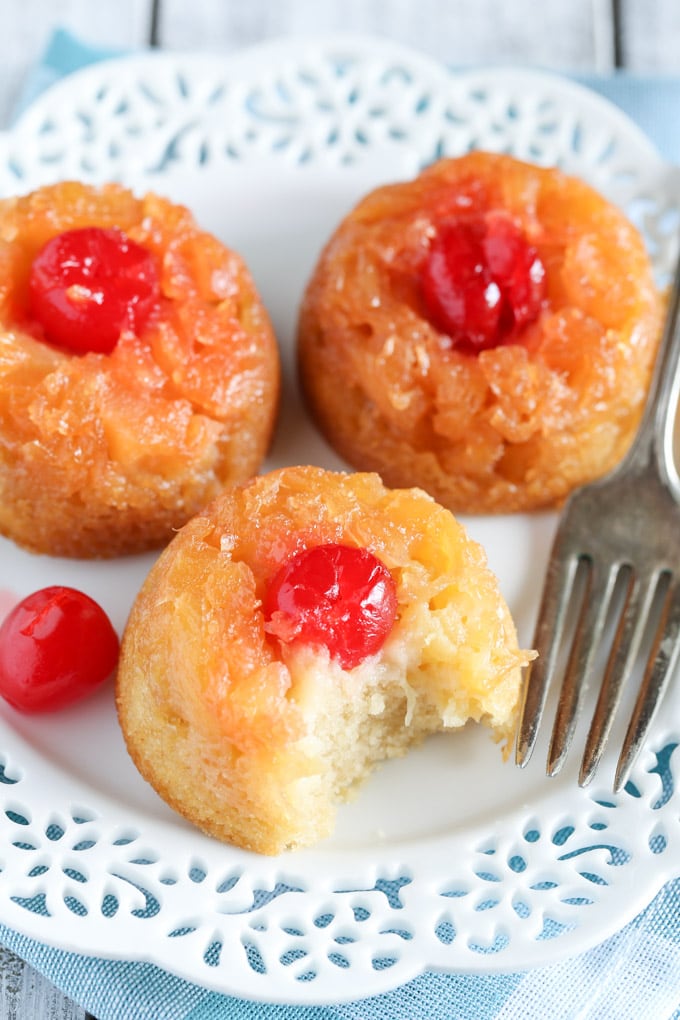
(654, 437)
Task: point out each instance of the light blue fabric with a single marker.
(652, 102)
(635, 975)
(64, 55)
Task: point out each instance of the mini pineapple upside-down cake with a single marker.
(138, 370)
(485, 331)
(302, 628)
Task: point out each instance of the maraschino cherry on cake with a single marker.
(303, 627)
(485, 331)
(139, 373)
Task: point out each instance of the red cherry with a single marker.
(88, 285)
(482, 281)
(56, 646)
(336, 596)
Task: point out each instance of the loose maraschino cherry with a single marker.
(56, 646)
(88, 285)
(336, 596)
(482, 281)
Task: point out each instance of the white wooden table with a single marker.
(580, 35)
(641, 36)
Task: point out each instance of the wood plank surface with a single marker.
(650, 36)
(26, 27)
(27, 995)
(550, 33)
(578, 35)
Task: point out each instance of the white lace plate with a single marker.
(448, 859)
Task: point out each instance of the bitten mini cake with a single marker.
(139, 373)
(485, 331)
(303, 627)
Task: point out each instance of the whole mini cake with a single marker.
(301, 628)
(139, 373)
(485, 331)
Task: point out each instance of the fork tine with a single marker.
(625, 647)
(660, 666)
(557, 594)
(587, 638)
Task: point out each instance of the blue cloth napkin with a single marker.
(635, 975)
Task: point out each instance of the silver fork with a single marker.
(614, 572)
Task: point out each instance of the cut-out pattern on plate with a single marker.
(474, 903)
(502, 870)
